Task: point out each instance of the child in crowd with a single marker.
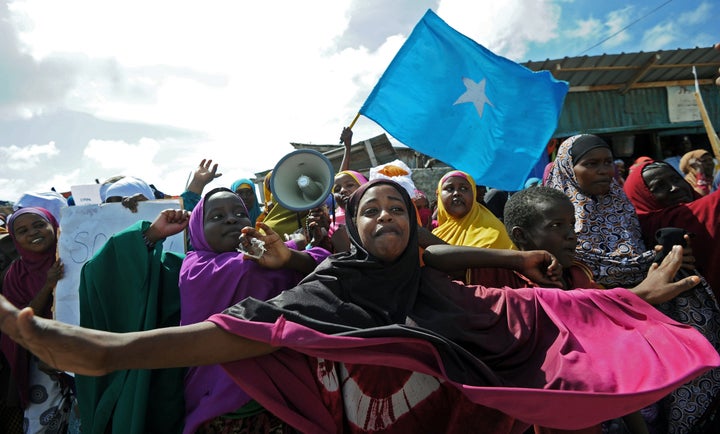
(543, 218)
(210, 279)
(474, 357)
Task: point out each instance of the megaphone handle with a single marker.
(314, 240)
(299, 220)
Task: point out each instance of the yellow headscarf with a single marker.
(280, 219)
(478, 228)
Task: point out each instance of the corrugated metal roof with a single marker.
(627, 71)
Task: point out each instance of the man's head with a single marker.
(542, 218)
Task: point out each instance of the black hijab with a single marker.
(535, 338)
(355, 294)
(349, 290)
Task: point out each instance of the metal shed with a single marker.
(641, 102)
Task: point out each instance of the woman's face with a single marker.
(383, 223)
(345, 185)
(247, 195)
(421, 203)
(594, 172)
(224, 218)
(704, 164)
(668, 187)
(457, 196)
(33, 233)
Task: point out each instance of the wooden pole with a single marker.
(709, 130)
(352, 124)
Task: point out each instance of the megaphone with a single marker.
(302, 180)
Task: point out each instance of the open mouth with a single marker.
(384, 231)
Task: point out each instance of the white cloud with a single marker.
(122, 156)
(585, 29)
(660, 36)
(700, 15)
(241, 79)
(506, 27)
(27, 157)
(615, 22)
(64, 180)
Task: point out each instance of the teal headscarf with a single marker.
(254, 211)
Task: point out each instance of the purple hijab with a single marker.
(210, 282)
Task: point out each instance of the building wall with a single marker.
(639, 110)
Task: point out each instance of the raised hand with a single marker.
(205, 173)
(658, 287)
(346, 136)
(55, 273)
(168, 223)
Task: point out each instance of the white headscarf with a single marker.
(50, 200)
(126, 187)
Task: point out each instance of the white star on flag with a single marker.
(475, 94)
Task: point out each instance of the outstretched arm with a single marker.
(346, 140)
(538, 265)
(658, 287)
(93, 352)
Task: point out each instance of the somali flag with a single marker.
(450, 98)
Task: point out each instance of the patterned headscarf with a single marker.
(609, 237)
(479, 227)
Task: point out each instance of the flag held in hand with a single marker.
(451, 98)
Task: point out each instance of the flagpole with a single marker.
(712, 135)
(352, 124)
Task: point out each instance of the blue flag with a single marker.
(450, 98)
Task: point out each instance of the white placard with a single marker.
(88, 194)
(84, 229)
(682, 106)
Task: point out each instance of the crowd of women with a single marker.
(590, 307)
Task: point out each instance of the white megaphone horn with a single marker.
(302, 180)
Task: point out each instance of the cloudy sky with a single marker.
(94, 89)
